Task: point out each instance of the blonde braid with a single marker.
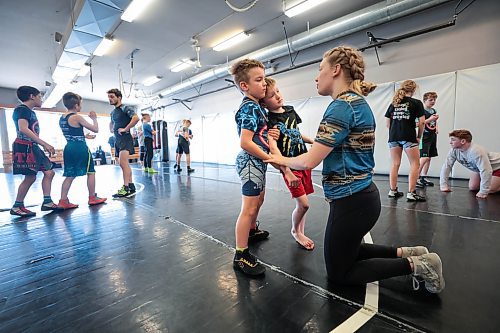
(354, 68)
(407, 86)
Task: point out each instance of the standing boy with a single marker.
(291, 143)
(123, 118)
(184, 134)
(428, 144)
(251, 121)
(27, 156)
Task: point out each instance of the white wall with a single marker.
(466, 99)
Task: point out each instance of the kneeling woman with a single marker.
(345, 143)
(77, 157)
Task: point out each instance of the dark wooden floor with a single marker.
(161, 261)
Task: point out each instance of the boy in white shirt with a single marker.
(484, 165)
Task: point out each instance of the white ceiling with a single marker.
(162, 34)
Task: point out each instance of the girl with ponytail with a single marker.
(401, 116)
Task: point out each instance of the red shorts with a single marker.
(496, 173)
(305, 185)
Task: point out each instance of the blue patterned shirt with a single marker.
(348, 126)
(251, 116)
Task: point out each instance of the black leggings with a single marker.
(348, 261)
(148, 156)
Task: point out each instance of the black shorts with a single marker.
(124, 142)
(182, 147)
(428, 146)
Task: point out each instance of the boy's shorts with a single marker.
(28, 158)
(305, 185)
(182, 148)
(402, 144)
(428, 145)
(252, 173)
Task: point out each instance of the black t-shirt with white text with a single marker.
(402, 117)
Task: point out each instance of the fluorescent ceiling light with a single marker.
(302, 7)
(64, 74)
(231, 41)
(84, 70)
(103, 47)
(51, 99)
(135, 9)
(151, 80)
(181, 65)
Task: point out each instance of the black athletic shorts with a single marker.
(182, 147)
(124, 142)
(428, 145)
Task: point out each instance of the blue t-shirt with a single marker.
(147, 130)
(24, 112)
(251, 116)
(348, 126)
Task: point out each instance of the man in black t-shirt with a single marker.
(123, 118)
(27, 157)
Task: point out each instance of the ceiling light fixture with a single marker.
(135, 9)
(103, 47)
(55, 95)
(181, 65)
(151, 80)
(302, 7)
(231, 41)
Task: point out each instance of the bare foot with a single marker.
(305, 242)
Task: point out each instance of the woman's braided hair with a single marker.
(353, 65)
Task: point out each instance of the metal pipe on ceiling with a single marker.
(379, 13)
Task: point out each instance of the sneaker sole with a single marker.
(241, 269)
(441, 280)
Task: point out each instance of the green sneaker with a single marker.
(151, 170)
(122, 192)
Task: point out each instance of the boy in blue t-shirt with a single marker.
(251, 120)
(27, 157)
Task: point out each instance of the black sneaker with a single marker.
(420, 184)
(247, 263)
(427, 183)
(190, 170)
(395, 193)
(178, 169)
(257, 235)
(122, 192)
(131, 188)
(413, 196)
(175, 166)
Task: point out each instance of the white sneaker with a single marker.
(395, 193)
(413, 196)
(430, 268)
(413, 251)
